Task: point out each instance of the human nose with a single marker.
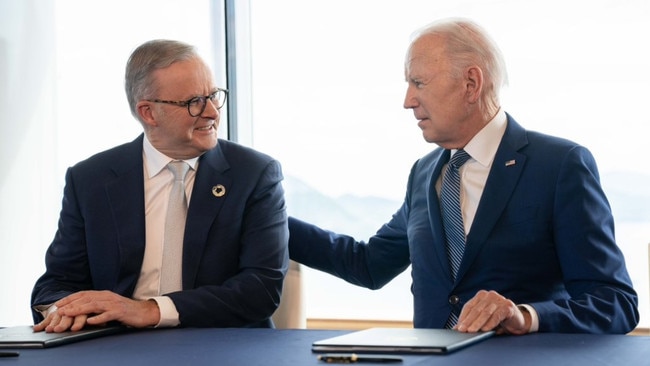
(211, 111)
(409, 99)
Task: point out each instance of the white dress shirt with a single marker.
(158, 182)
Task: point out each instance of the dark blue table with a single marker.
(271, 347)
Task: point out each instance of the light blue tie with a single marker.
(452, 218)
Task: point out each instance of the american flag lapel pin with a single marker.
(510, 162)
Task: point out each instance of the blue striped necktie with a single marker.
(452, 218)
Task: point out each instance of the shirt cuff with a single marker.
(534, 318)
(45, 310)
(168, 314)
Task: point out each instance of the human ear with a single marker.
(474, 83)
(146, 113)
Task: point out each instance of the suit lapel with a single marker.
(435, 216)
(502, 180)
(211, 188)
(126, 196)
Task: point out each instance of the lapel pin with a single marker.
(510, 162)
(219, 190)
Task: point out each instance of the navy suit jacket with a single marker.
(235, 248)
(543, 235)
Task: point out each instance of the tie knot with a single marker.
(178, 168)
(459, 158)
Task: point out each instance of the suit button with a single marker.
(453, 299)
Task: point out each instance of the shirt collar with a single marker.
(483, 146)
(155, 161)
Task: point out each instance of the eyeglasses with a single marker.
(196, 106)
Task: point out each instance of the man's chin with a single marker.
(206, 144)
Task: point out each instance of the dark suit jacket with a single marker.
(235, 249)
(543, 235)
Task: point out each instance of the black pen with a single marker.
(9, 354)
(354, 358)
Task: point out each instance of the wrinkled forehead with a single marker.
(426, 51)
(192, 76)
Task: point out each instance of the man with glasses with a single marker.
(176, 228)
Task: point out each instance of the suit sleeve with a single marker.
(66, 259)
(369, 264)
(602, 299)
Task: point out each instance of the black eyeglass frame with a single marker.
(196, 100)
